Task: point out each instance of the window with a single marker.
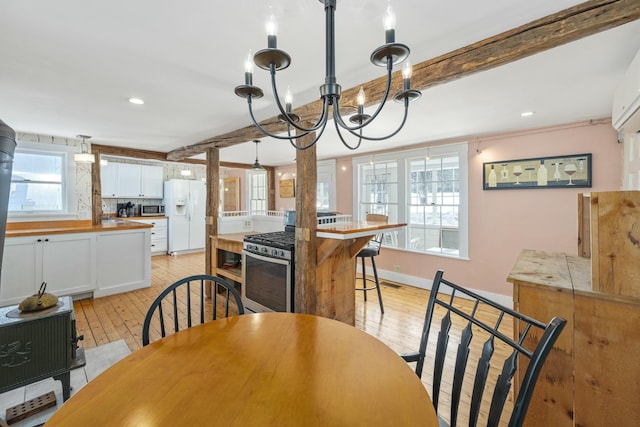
(257, 191)
(38, 182)
(430, 195)
(378, 193)
(434, 204)
(326, 186)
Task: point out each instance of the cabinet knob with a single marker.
(39, 240)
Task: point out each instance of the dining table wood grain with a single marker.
(261, 369)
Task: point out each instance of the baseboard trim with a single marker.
(423, 283)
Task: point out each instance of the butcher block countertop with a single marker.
(355, 229)
(34, 228)
(561, 272)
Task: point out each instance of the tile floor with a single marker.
(98, 359)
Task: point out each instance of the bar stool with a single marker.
(371, 251)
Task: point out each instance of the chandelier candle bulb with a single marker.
(406, 74)
(389, 22)
(272, 29)
(361, 100)
(288, 100)
(248, 69)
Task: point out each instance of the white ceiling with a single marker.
(68, 67)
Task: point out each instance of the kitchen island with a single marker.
(75, 258)
(335, 273)
(331, 293)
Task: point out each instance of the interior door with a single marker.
(231, 194)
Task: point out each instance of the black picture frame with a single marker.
(571, 171)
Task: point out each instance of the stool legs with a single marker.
(377, 281)
(364, 278)
(375, 275)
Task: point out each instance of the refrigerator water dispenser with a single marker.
(181, 207)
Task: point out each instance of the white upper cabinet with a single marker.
(108, 179)
(152, 182)
(129, 183)
(128, 180)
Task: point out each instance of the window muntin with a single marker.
(38, 182)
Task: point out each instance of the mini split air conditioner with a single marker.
(625, 116)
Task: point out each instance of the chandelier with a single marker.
(274, 59)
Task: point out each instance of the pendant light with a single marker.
(84, 156)
(257, 165)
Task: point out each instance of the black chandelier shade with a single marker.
(273, 59)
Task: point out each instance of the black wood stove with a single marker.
(38, 345)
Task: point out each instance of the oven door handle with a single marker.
(266, 258)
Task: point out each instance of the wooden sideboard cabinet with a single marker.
(592, 375)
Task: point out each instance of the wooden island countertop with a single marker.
(355, 229)
(34, 228)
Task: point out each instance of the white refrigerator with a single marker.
(185, 206)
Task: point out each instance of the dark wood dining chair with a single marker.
(184, 304)
(371, 251)
(464, 373)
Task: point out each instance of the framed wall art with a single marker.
(542, 172)
(287, 188)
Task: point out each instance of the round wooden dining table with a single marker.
(265, 369)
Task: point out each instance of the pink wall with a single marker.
(344, 180)
(503, 222)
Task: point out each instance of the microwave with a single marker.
(151, 210)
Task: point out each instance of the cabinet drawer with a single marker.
(158, 233)
(159, 246)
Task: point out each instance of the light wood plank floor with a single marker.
(108, 319)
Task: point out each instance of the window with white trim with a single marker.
(428, 193)
(434, 204)
(257, 191)
(38, 182)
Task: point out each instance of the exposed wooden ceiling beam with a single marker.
(537, 36)
(135, 153)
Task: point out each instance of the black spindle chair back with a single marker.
(185, 303)
(458, 326)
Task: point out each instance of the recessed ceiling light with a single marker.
(527, 114)
(136, 101)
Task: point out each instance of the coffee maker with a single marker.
(126, 210)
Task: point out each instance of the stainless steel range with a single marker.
(268, 272)
(268, 267)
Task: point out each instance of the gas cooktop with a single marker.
(277, 239)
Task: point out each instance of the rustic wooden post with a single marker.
(271, 185)
(96, 189)
(213, 203)
(306, 224)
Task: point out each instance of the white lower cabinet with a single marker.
(158, 234)
(67, 262)
(102, 263)
(124, 261)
